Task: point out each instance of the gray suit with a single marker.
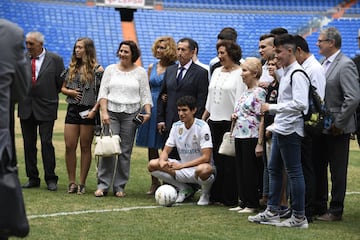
(14, 82)
(342, 96)
(39, 109)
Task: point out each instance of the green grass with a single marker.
(123, 220)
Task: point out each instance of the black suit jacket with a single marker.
(43, 99)
(194, 83)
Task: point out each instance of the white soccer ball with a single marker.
(166, 195)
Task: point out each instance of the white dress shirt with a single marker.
(292, 100)
(316, 74)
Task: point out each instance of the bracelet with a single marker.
(259, 143)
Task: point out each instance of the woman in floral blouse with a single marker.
(248, 136)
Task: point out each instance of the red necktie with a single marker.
(33, 71)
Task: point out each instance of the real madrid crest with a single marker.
(207, 137)
(181, 131)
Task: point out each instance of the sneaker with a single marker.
(265, 217)
(247, 210)
(238, 208)
(204, 199)
(294, 222)
(183, 194)
(285, 213)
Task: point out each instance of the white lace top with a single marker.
(125, 91)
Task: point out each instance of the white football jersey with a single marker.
(189, 142)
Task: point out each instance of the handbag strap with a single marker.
(102, 133)
(232, 125)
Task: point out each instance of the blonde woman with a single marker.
(80, 88)
(163, 49)
(248, 133)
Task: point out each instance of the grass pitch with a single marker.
(58, 215)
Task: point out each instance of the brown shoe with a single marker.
(329, 217)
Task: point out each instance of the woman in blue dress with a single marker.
(163, 49)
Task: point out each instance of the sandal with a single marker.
(120, 194)
(81, 189)
(72, 188)
(100, 193)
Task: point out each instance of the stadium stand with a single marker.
(62, 24)
(63, 21)
(254, 5)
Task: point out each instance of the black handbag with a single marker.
(13, 220)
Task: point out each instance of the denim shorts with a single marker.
(73, 116)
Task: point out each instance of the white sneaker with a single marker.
(285, 213)
(294, 222)
(183, 194)
(238, 208)
(247, 210)
(204, 199)
(265, 217)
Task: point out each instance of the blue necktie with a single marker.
(179, 76)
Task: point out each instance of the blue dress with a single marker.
(147, 134)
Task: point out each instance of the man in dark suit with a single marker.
(342, 96)
(39, 110)
(191, 81)
(14, 83)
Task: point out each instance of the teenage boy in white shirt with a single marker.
(192, 138)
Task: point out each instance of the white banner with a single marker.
(126, 3)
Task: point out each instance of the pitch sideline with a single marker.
(98, 211)
(114, 210)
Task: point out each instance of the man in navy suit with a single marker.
(342, 96)
(193, 81)
(39, 110)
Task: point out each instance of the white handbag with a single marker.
(107, 146)
(227, 146)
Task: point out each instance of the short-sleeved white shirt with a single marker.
(189, 142)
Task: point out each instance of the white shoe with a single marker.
(265, 217)
(204, 199)
(183, 194)
(247, 210)
(238, 208)
(294, 222)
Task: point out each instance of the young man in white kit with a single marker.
(192, 138)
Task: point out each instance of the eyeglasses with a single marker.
(324, 40)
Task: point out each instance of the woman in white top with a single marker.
(124, 91)
(225, 87)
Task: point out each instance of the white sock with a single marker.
(206, 184)
(166, 177)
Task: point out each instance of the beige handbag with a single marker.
(107, 146)
(227, 146)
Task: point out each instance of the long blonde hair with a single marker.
(87, 62)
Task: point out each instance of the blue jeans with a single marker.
(286, 151)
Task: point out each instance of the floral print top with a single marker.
(247, 108)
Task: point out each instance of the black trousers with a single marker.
(335, 154)
(249, 171)
(224, 189)
(310, 146)
(29, 128)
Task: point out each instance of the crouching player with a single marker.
(192, 138)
